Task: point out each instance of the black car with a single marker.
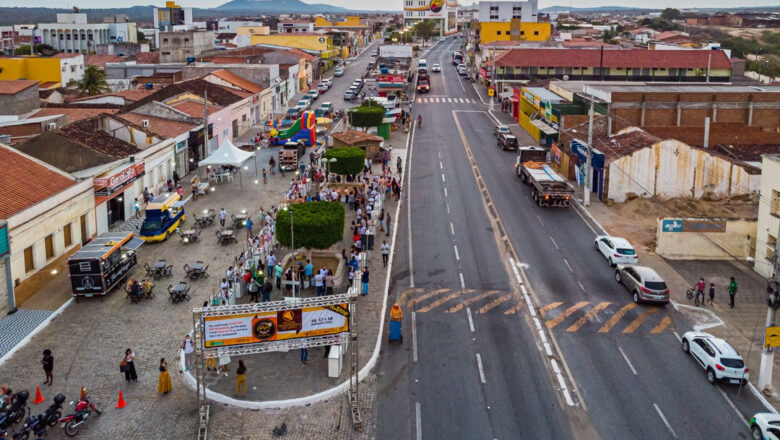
(507, 141)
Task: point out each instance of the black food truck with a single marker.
(102, 263)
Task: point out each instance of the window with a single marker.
(29, 263)
(66, 233)
(536, 32)
(49, 246)
(775, 210)
(186, 40)
(517, 12)
(498, 32)
(506, 32)
(165, 40)
(522, 32)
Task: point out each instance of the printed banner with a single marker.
(253, 328)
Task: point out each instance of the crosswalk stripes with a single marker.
(544, 309)
(495, 303)
(616, 318)
(443, 300)
(452, 301)
(443, 100)
(639, 320)
(558, 319)
(590, 314)
(422, 298)
(461, 305)
(661, 325)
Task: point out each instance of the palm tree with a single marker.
(93, 83)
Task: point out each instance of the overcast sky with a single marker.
(361, 4)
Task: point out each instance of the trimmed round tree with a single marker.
(369, 114)
(349, 160)
(317, 225)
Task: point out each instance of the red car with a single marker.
(423, 87)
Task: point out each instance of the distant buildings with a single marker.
(171, 17)
(443, 12)
(51, 72)
(176, 47)
(73, 34)
(740, 19)
(510, 21)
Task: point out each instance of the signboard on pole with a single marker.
(276, 325)
(772, 337)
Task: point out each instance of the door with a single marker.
(115, 210)
(83, 225)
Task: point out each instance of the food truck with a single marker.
(102, 263)
(163, 216)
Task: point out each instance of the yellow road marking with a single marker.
(587, 317)
(616, 317)
(417, 300)
(662, 325)
(461, 305)
(493, 304)
(558, 319)
(408, 292)
(543, 310)
(515, 309)
(639, 320)
(443, 300)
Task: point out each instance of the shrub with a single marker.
(349, 160)
(365, 116)
(317, 225)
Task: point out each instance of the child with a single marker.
(712, 293)
(265, 177)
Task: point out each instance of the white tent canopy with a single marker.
(227, 154)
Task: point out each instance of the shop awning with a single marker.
(134, 243)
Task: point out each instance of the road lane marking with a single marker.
(633, 370)
(677, 336)
(445, 195)
(481, 370)
(662, 325)
(471, 321)
(462, 283)
(540, 220)
(442, 178)
(458, 307)
(581, 286)
(740, 416)
(616, 317)
(639, 320)
(558, 319)
(663, 418)
(587, 317)
(514, 267)
(448, 205)
(495, 303)
(441, 165)
(554, 243)
(443, 300)
(414, 337)
(408, 292)
(452, 228)
(457, 255)
(418, 421)
(421, 298)
(565, 261)
(408, 176)
(516, 308)
(544, 309)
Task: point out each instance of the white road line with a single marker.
(568, 265)
(471, 321)
(439, 154)
(414, 336)
(442, 178)
(462, 283)
(540, 220)
(734, 407)
(461, 100)
(437, 100)
(663, 418)
(555, 366)
(516, 272)
(445, 195)
(448, 205)
(409, 146)
(452, 228)
(554, 243)
(457, 255)
(481, 370)
(677, 336)
(449, 100)
(627, 361)
(418, 420)
(441, 165)
(581, 286)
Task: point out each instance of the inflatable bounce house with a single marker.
(303, 129)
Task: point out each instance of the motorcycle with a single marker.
(16, 410)
(32, 424)
(5, 399)
(72, 422)
(52, 415)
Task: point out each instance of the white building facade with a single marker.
(499, 11)
(73, 34)
(768, 215)
(443, 12)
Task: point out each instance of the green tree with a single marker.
(38, 49)
(349, 160)
(140, 36)
(369, 114)
(93, 82)
(670, 14)
(425, 29)
(317, 225)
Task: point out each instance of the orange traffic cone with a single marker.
(121, 402)
(38, 396)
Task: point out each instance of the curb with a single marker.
(35, 331)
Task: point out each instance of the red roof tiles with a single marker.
(148, 58)
(631, 58)
(75, 114)
(162, 127)
(12, 87)
(194, 108)
(237, 81)
(101, 60)
(29, 183)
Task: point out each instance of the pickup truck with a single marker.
(548, 188)
(423, 86)
(290, 154)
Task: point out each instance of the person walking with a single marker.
(254, 289)
(732, 291)
(385, 249)
(319, 283)
(308, 273)
(189, 353)
(712, 293)
(271, 165)
(48, 366)
(129, 366)
(700, 286)
(279, 271)
(329, 283)
(271, 262)
(387, 223)
(222, 217)
(164, 384)
(351, 275)
(265, 176)
(249, 232)
(240, 379)
(137, 207)
(267, 288)
(364, 280)
(304, 355)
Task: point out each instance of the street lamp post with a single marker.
(292, 244)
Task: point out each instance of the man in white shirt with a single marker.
(222, 217)
(385, 249)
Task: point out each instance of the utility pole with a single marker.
(767, 354)
(204, 148)
(588, 178)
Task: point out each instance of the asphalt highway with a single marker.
(471, 364)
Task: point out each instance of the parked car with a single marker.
(322, 88)
(617, 250)
(293, 113)
(349, 94)
(358, 81)
(327, 82)
(462, 70)
(718, 358)
(304, 104)
(339, 71)
(501, 129)
(765, 426)
(643, 282)
(507, 141)
(313, 94)
(325, 109)
(436, 68)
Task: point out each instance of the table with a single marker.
(226, 235)
(161, 269)
(190, 235)
(225, 176)
(239, 219)
(179, 292)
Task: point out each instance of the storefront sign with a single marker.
(254, 328)
(555, 154)
(580, 148)
(105, 186)
(703, 225)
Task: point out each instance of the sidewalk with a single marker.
(742, 326)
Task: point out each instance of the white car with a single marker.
(765, 426)
(339, 71)
(617, 250)
(719, 359)
(436, 68)
(327, 82)
(304, 104)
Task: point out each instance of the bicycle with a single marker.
(692, 294)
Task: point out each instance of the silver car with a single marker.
(643, 283)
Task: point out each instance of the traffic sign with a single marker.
(772, 337)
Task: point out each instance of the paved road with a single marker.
(624, 361)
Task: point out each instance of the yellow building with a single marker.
(350, 21)
(253, 30)
(321, 43)
(513, 30)
(45, 70)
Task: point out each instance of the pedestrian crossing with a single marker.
(444, 100)
(599, 317)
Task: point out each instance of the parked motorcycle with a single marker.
(16, 410)
(72, 422)
(53, 414)
(5, 400)
(32, 424)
